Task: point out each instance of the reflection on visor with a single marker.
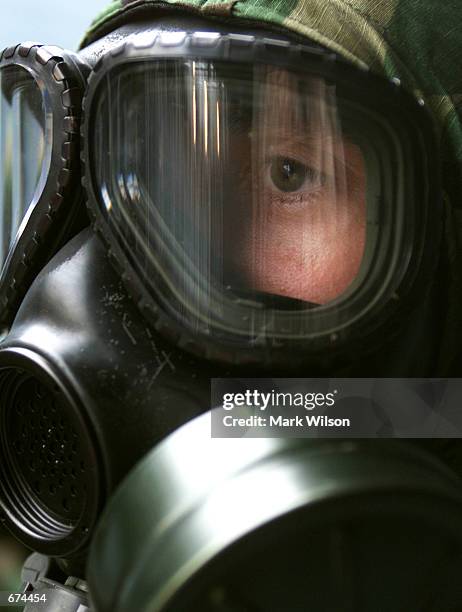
(235, 191)
(22, 149)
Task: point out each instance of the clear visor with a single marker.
(245, 196)
(23, 155)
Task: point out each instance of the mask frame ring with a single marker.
(342, 343)
(53, 208)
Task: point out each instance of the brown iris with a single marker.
(288, 174)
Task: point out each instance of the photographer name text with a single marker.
(280, 421)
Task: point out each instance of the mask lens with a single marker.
(254, 201)
(22, 150)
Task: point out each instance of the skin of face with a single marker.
(301, 233)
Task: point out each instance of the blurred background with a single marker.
(48, 21)
(63, 24)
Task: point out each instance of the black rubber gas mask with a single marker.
(263, 201)
(258, 206)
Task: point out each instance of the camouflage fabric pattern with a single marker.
(417, 41)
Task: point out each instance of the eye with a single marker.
(289, 175)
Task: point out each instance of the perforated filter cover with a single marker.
(49, 477)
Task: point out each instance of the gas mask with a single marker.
(257, 204)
